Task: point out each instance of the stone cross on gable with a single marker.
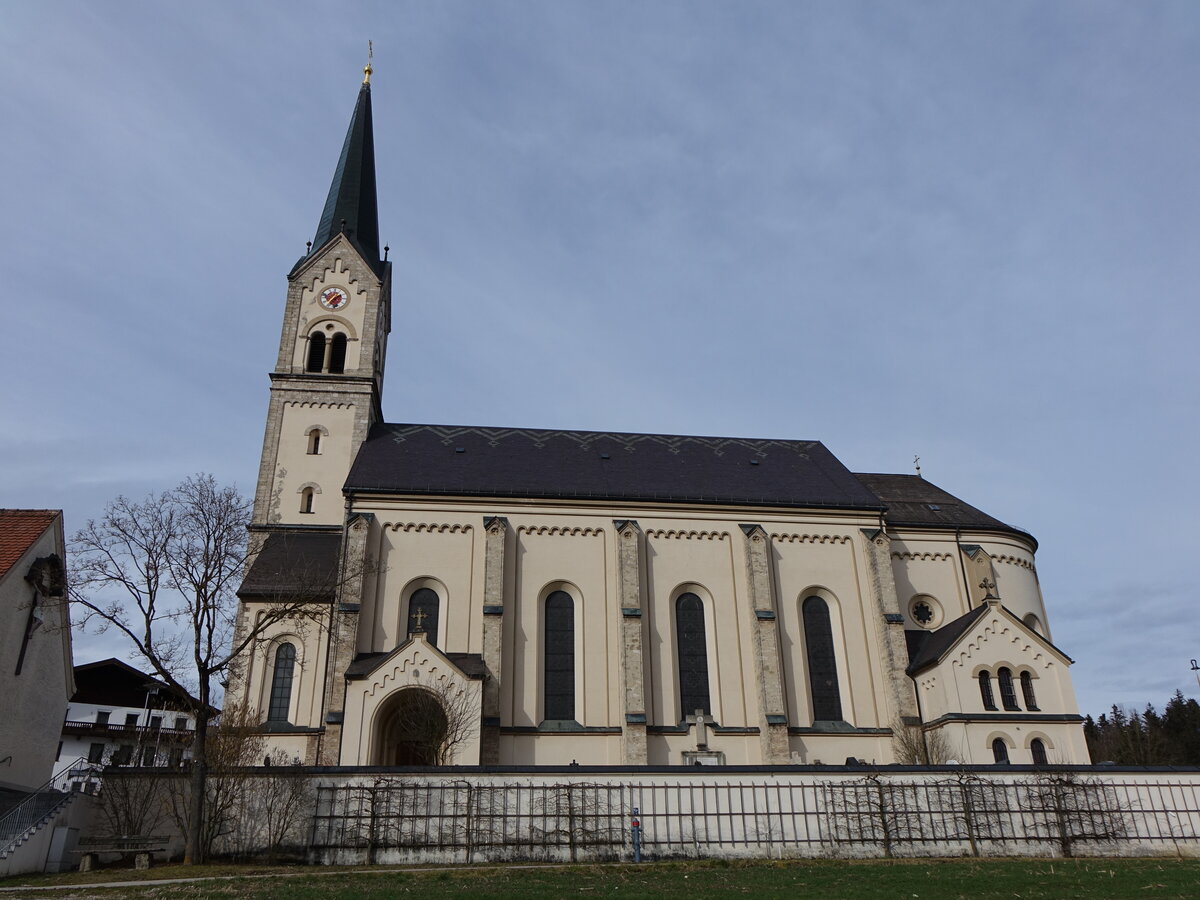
(419, 617)
(701, 721)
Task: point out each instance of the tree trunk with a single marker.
(194, 854)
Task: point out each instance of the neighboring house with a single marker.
(121, 716)
(605, 597)
(35, 646)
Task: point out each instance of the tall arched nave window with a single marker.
(693, 655)
(822, 661)
(281, 683)
(423, 608)
(558, 696)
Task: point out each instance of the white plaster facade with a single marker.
(493, 556)
(35, 645)
(122, 716)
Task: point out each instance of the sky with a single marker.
(964, 231)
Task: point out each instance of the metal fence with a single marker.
(396, 819)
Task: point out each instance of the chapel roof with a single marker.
(603, 465)
(20, 530)
(297, 564)
(933, 647)
(914, 502)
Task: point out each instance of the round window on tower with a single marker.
(925, 611)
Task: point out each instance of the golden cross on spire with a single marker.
(367, 70)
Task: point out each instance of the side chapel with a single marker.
(608, 598)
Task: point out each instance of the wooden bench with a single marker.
(140, 845)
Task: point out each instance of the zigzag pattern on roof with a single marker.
(587, 439)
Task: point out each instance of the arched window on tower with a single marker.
(558, 680)
(1000, 752)
(985, 691)
(1008, 691)
(281, 683)
(306, 500)
(822, 661)
(337, 354)
(693, 655)
(1027, 691)
(423, 614)
(316, 352)
(1038, 749)
(314, 442)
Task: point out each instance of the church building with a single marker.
(516, 596)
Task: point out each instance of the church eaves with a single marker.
(352, 205)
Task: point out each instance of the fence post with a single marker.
(637, 835)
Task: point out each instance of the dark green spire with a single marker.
(352, 205)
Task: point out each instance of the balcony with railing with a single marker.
(116, 731)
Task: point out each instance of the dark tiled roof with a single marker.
(938, 642)
(111, 682)
(294, 564)
(20, 530)
(470, 664)
(913, 501)
(595, 465)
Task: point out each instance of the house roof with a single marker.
(111, 682)
(299, 564)
(912, 501)
(20, 530)
(600, 465)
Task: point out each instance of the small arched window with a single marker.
(692, 645)
(316, 352)
(1027, 691)
(337, 354)
(1000, 752)
(822, 662)
(281, 683)
(1038, 749)
(1008, 691)
(1033, 623)
(423, 614)
(558, 695)
(985, 691)
(314, 442)
(306, 500)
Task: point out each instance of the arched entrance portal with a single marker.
(411, 730)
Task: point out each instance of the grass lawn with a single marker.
(924, 879)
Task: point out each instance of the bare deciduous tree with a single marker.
(914, 746)
(163, 572)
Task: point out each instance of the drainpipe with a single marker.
(962, 565)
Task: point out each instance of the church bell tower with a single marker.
(327, 381)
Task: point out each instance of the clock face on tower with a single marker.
(334, 298)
